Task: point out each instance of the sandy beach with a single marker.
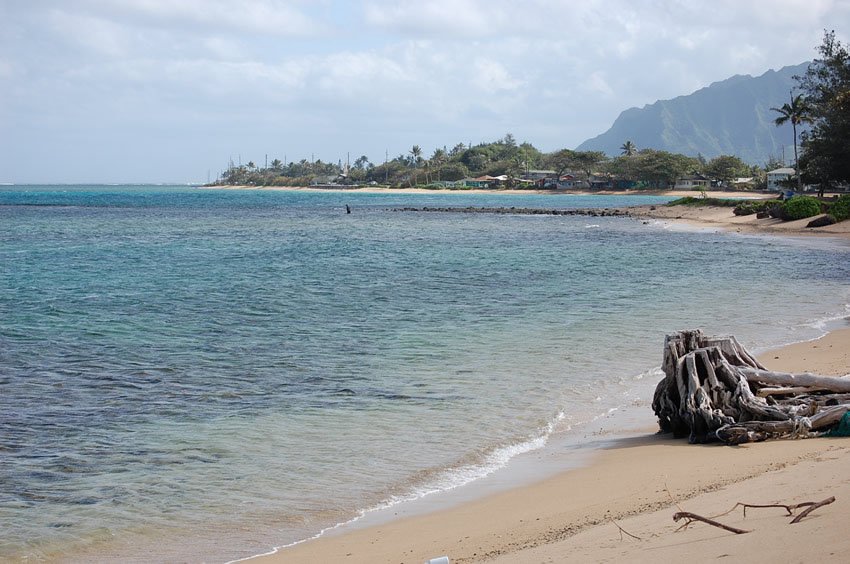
(633, 487)
(636, 485)
(641, 481)
(712, 217)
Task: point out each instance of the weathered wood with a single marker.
(691, 517)
(712, 390)
(788, 508)
(811, 508)
(622, 531)
(765, 392)
(838, 385)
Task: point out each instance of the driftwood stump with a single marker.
(713, 389)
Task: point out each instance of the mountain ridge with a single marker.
(727, 117)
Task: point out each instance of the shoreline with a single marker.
(700, 217)
(492, 191)
(506, 527)
(571, 516)
(722, 218)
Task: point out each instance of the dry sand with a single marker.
(638, 484)
(723, 218)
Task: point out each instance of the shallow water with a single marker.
(203, 374)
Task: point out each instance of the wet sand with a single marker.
(638, 484)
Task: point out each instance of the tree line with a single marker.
(637, 169)
(824, 105)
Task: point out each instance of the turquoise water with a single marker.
(204, 374)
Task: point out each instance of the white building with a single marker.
(774, 177)
(692, 182)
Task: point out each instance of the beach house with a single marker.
(535, 175)
(777, 176)
(693, 182)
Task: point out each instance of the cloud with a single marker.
(272, 17)
(7, 70)
(91, 33)
(371, 76)
(598, 84)
(438, 17)
(490, 75)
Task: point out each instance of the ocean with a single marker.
(195, 375)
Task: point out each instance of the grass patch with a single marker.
(701, 202)
(750, 207)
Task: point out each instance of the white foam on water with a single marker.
(445, 481)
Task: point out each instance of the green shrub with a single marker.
(749, 207)
(692, 201)
(800, 207)
(776, 210)
(840, 209)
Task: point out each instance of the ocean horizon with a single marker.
(203, 375)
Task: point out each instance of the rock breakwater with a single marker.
(592, 212)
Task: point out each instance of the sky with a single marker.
(159, 91)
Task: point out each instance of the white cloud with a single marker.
(598, 84)
(273, 17)
(694, 40)
(224, 48)
(334, 73)
(468, 18)
(92, 33)
(491, 76)
(7, 70)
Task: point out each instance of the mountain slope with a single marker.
(731, 117)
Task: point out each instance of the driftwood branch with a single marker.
(691, 517)
(712, 390)
(623, 531)
(811, 508)
(838, 385)
(788, 391)
(788, 508)
(809, 505)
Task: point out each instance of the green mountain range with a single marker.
(731, 117)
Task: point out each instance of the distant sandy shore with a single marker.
(554, 193)
(722, 218)
(698, 216)
(637, 484)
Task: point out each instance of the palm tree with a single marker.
(437, 159)
(416, 154)
(797, 112)
(628, 149)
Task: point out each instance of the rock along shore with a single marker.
(592, 212)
